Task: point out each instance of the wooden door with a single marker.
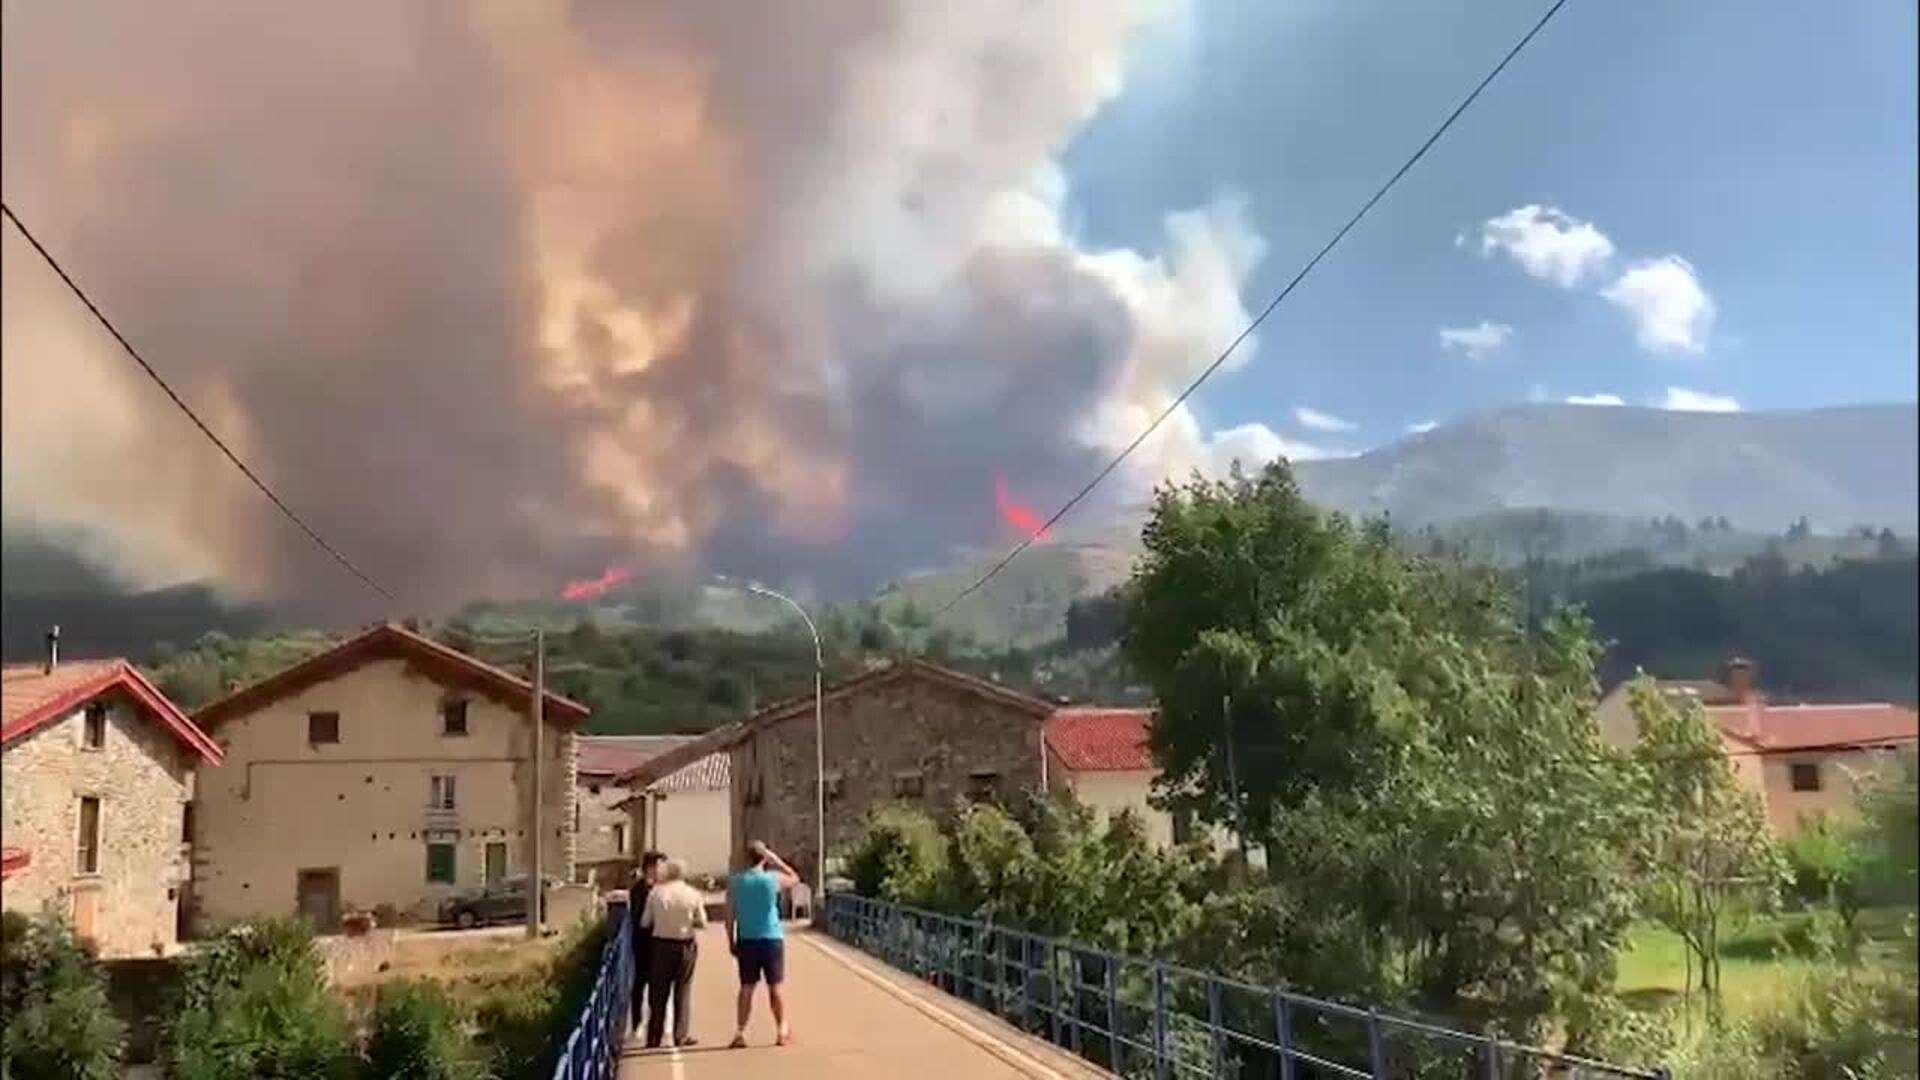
(86, 914)
(319, 898)
(496, 862)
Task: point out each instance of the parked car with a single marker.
(503, 901)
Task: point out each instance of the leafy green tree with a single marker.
(1889, 831)
(59, 1024)
(416, 1031)
(1711, 845)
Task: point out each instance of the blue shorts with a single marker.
(761, 958)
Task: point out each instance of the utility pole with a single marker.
(536, 876)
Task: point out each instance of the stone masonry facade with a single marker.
(143, 779)
(915, 739)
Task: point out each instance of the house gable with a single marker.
(447, 667)
(36, 697)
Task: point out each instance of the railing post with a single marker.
(1283, 1034)
(1026, 980)
(1053, 988)
(1113, 1015)
(1493, 1058)
(1376, 1046)
(999, 971)
(1160, 1069)
(1216, 1027)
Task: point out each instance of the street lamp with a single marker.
(819, 731)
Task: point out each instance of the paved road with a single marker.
(851, 1016)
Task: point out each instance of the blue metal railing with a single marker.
(1148, 1018)
(592, 1049)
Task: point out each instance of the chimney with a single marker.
(53, 649)
(1739, 678)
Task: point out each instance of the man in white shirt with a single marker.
(675, 913)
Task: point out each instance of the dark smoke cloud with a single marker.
(500, 293)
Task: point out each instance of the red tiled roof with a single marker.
(1100, 740)
(661, 766)
(1818, 727)
(444, 665)
(30, 696)
(711, 773)
(611, 755)
(13, 860)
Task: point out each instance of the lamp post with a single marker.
(819, 732)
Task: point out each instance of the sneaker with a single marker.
(739, 1043)
(688, 1041)
(786, 1037)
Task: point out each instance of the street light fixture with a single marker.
(819, 728)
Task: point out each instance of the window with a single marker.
(1805, 775)
(440, 794)
(186, 823)
(323, 728)
(620, 838)
(909, 785)
(94, 730)
(89, 854)
(453, 717)
(982, 786)
(1183, 826)
(836, 786)
(441, 863)
(593, 790)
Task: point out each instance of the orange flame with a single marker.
(1019, 515)
(588, 588)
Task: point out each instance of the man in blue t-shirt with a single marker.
(755, 937)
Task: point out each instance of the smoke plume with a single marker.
(502, 293)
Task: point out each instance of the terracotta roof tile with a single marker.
(30, 696)
(1100, 740)
(612, 755)
(386, 642)
(1818, 727)
(711, 773)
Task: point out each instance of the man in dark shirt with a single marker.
(642, 939)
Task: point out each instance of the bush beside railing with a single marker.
(1140, 1017)
(592, 1047)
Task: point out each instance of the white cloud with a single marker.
(1254, 445)
(1547, 243)
(1679, 399)
(1423, 427)
(1476, 342)
(1596, 399)
(1319, 421)
(1671, 311)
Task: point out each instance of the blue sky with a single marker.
(1770, 147)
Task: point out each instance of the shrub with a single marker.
(416, 1032)
(59, 1024)
(273, 1023)
(524, 1019)
(1846, 1025)
(255, 1003)
(901, 856)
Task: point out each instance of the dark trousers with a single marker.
(670, 983)
(642, 972)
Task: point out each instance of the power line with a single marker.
(1268, 310)
(185, 408)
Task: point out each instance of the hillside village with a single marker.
(390, 774)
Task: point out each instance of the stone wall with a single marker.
(143, 780)
(595, 817)
(911, 726)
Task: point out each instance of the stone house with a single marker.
(1803, 760)
(382, 774)
(608, 845)
(909, 732)
(98, 780)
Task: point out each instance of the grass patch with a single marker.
(1763, 962)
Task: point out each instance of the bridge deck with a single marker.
(851, 1016)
